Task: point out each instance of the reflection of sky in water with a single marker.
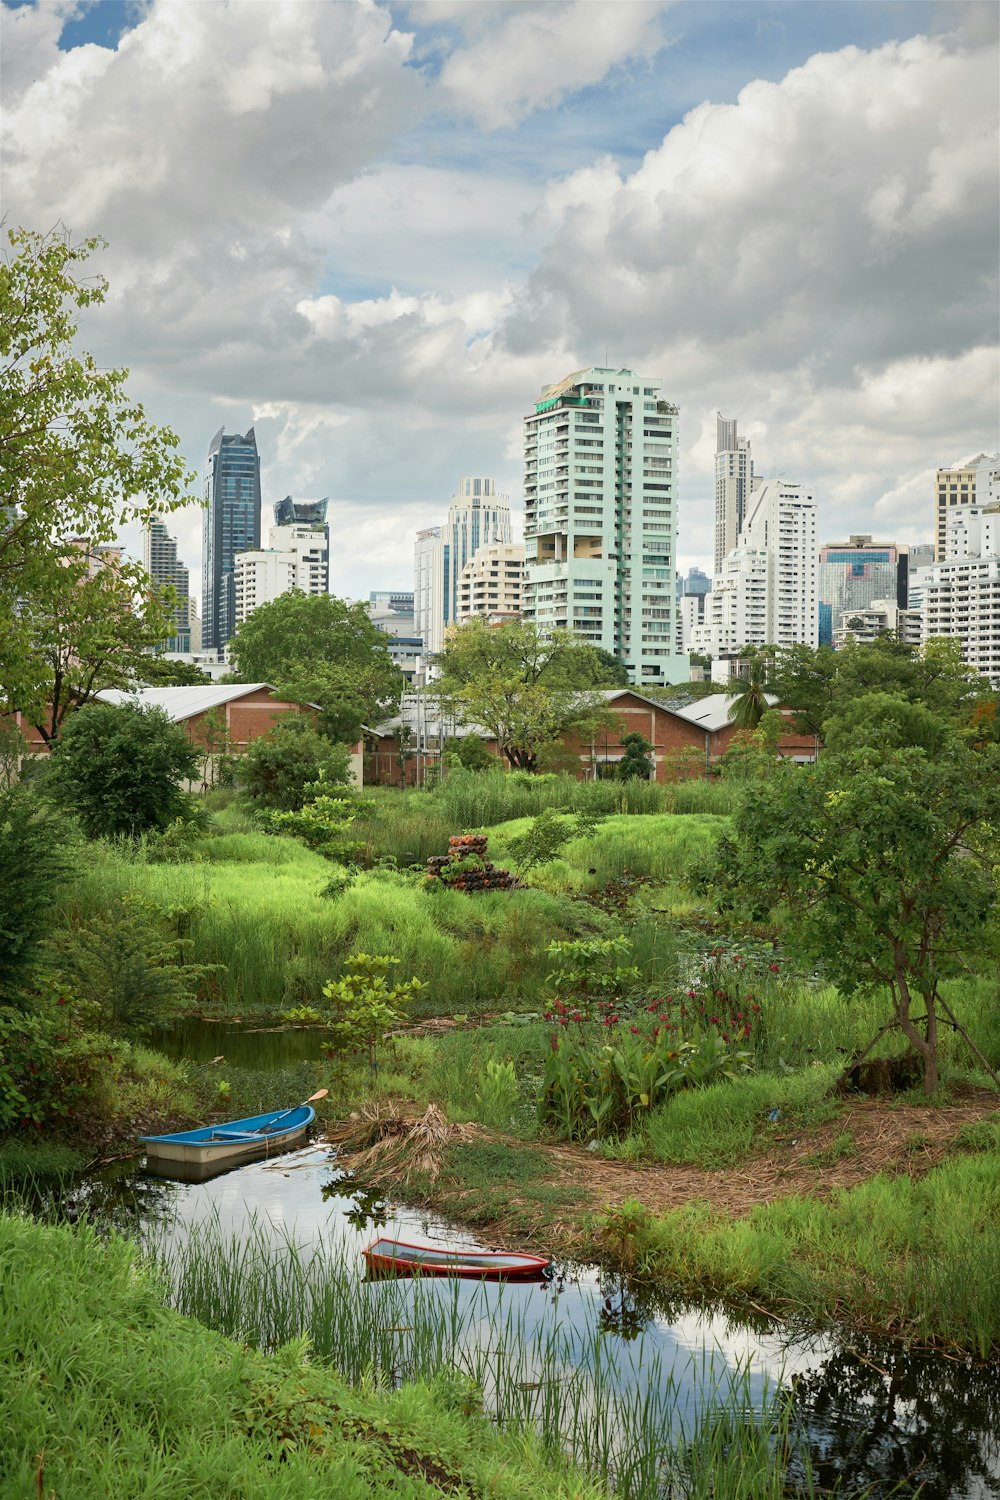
(869, 1426)
(696, 1352)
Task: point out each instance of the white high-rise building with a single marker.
(765, 593)
(960, 595)
(974, 483)
(477, 517)
(297, 558)
(428, 588)
(600, 475)
(733, 480)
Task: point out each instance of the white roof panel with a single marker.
(184, 702)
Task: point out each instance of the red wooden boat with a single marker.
(385, 1257)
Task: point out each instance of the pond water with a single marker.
(873, 1414)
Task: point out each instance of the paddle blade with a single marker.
(319, 1094)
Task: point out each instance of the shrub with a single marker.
(118, 767)
(46, 1063)
(128, 964)
(35, 859)
(324, 824)
(281, 769)
(497, 1094)
(365, 1006)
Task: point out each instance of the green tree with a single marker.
(118, 768)
(748, 703)
(470, 752)
(91, 633)
(819, 683)
(364, 1005)
(318, 649)
(637, 761)
(35, 859)
(525, 689)
(157, 671)
(286, 767)
(885, 722)
(78, 458)
(884, 863)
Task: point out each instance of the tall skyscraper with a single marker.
(600, 466)
(428, 588)
(477, 517)
(765, 593)
(965, 484)
(159, 558)
(231, 525)
(961, 591)
(733, 480)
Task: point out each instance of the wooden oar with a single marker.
(319, 1094)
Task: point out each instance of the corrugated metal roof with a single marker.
(712, 713)
(184, 702)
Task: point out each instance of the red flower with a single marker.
(774, 968)
(555, 1044)
(634, 1030)
(755, 1007)
(725, 1036)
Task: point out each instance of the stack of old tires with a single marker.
(466, 868)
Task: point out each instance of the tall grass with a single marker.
(917, 1258)
(104, 1391)
(616, 1407)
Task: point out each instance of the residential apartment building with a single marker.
(160, 560)
(492, 582)
(874, 619)
(231, 525)
(961, 486)
(600, 474)
(961, 593)
(297, 557)
(478, 517)
(766, 591)
(733, 482)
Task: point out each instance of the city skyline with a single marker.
(376, 242)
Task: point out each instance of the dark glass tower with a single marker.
(231, 524)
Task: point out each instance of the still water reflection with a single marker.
(876, 1415)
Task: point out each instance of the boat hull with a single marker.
(386, 1258)
(196, 1154)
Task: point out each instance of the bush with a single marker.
(281, 769)
(47, 1063)
(35, 857)
(117, 767)
(128, 964)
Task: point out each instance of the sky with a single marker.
(374, 229)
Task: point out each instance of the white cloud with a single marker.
(537, 55)
(817, 259)
(205, 115)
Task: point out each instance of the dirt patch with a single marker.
(572, 1182)
(906, 1138)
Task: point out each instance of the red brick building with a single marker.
(686, 742)
(247, 711)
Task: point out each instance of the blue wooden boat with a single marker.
(213, 1148)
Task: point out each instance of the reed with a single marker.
(917, 1258)
(639, 1425)
(106, 1391)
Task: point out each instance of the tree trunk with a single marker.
(926, 1046)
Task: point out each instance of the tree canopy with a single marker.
(885, 862)
(525, 689)
(78, 457)
(118, 768)
(819, 682)
(316, 648)
(89, 632)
